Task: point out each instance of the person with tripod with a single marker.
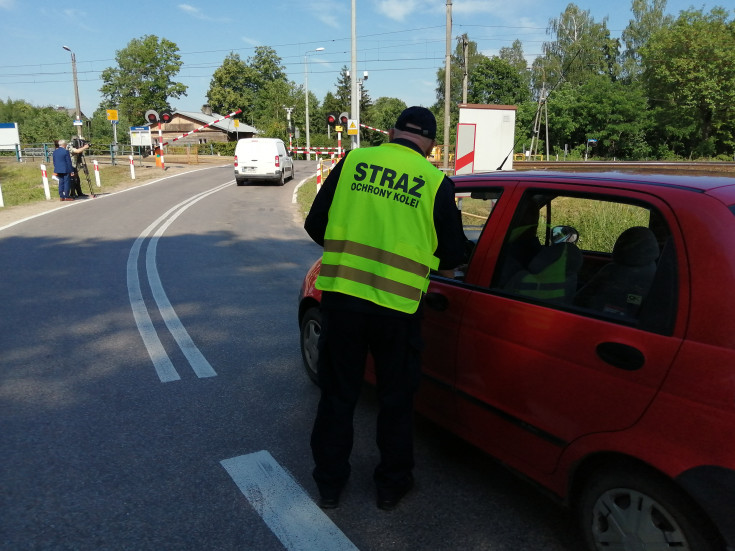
(76, 149)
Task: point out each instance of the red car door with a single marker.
(534, 376)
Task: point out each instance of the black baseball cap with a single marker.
(419, 117)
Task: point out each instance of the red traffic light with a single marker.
(331, 119)
(166, 117)
(343, 118)
(151, 116)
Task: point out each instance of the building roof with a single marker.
(226, 125)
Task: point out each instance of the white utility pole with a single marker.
(306, 99)
(76, 89)
(447, 80)
(355, 94)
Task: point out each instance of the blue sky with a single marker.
(401, 43)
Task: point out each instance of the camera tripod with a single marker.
(81, 164)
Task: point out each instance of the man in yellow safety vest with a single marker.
(386, 217)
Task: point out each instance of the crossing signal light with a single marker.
(343, 118)
(151, 116)
(166, 117)
(331, 119)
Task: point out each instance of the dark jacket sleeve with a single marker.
(316, 221)
(448, 224)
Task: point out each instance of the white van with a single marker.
(262, 159)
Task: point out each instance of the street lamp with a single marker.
(76, 89)
(306, 98)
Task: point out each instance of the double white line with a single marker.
(161, 361)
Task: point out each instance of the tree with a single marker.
(581, 49)
(143, 78)
(45, 125)
(613, 113)
(514, 56)
(383, 115)
(270, 116)
(495, 81)
(228, 89)
(648, 17)
(689, 75)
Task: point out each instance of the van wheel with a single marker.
(240, 182)
(282, 180)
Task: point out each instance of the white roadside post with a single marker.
(2, 203)
(97, 172)
(132, 167)
(45, 182)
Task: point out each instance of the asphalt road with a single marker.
(152, 394)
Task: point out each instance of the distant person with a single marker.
(385, 217)
(63, 169)
(78, 162)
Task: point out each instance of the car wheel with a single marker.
(240, 182)
(282, 179)
(311, 329)
(631, 510)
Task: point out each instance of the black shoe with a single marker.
(389, 499)
(329, 496)
(329, 502)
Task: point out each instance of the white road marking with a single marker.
(161, 361)
(285, 507)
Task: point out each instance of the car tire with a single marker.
(637, 509)
(240, 181)
(311, 329)
(282, 180)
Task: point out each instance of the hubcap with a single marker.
(626, 520)
(312, 330)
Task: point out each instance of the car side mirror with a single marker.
(564, 234)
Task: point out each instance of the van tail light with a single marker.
(235, 161)
(278, 162)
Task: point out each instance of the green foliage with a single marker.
(384, 114)
(224, 148)
(648, 17)
(237, 84)
(495, 81)
(143, 78)
(229, 90)
(688, 69)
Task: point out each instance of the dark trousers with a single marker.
(75, 185)
(63, 184)
(395, 344)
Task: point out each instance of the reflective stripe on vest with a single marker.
(389, 267)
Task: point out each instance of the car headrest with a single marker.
(636, 246)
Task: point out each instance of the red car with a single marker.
(589, 344)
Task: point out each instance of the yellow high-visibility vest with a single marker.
(380, 239)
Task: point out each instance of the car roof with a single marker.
(695, 183)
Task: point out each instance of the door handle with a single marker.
(436, 301)
(621, 355)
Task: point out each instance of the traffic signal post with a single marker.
(153, 117)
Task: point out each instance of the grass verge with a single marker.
(22, 183)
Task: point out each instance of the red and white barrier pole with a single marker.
(339, 144)
(160, 146)
(132, 167)
(319, 177)
(45, 182)
(371, 128)
(195, 130)
(97, 173)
